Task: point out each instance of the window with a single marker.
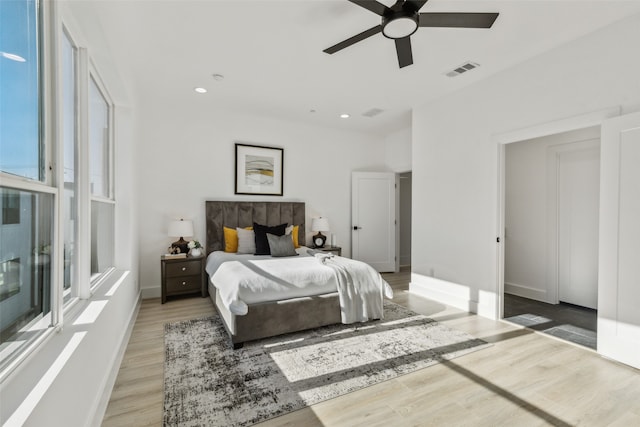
(99, 141)
(20, 148)
(70, 149)
(102, 208)
(56, 192)
(25, 269)
(102, 242)
(27, 227)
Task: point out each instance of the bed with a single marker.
(261, 319)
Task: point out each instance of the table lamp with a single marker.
(319, 224)
(180, 228)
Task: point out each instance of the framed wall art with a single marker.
(259, 170)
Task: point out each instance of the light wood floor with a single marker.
(524, 379)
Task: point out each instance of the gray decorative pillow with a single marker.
(281, 245)
(246, 241)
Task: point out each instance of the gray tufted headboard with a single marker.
(244, 214)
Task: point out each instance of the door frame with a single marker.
(581, 121)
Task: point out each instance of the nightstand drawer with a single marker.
(186, 268)
(184, 284)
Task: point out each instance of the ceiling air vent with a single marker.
(467, 66)
(372, 112)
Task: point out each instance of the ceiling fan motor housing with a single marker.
(399, 24)
(403, 19)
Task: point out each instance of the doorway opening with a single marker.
(404, 221)
(551, 214)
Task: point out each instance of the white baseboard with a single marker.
(525, 291)
(101, 408)
(148, 293)
(459, 296)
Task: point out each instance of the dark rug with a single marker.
(206, 383)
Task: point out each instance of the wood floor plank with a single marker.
(523, 379)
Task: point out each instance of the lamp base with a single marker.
(319, 240)
(182, 245)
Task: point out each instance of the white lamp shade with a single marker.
(319, 224)
(180, 228)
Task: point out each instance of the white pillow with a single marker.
(246, 241)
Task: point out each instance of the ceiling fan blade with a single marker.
(457, 20)
(355, 39)
(372, 6)
(403, 48)
(417, 4)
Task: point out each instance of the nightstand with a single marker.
(336, 250)
(182, 276)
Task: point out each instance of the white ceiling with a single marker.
(270, 52)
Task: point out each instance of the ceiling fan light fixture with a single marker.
(400, 25)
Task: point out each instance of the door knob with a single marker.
(355, 227)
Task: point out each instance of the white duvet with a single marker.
(249, 279)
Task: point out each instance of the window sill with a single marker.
(45, 331)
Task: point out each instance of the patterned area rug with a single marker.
(206, 383)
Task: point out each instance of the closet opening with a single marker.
(551, 221)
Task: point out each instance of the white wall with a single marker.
(455, 154)
(530, 228)
(397, 150)
(188, 158)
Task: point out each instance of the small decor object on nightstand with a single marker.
(319, 224)
(196, 248)
(180, 228)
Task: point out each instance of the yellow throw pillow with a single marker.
(231, 239)
(294, 236)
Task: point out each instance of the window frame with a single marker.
(46, 183)
(93, 75)
(62, 32)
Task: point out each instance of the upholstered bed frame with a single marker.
(269, 318)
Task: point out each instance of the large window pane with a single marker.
(69, 201)
(102, 237)
(98, 141)
(20, 148)
(25, 267)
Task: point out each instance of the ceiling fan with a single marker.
(403, 19)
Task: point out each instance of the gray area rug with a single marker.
(206, 383)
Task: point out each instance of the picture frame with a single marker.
(259, 170)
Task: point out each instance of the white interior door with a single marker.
(578, 205)
(373, 219)
(619, 260)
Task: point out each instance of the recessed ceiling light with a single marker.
(218, 77)
(200, 90)
(344, 116)
(13, 57)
